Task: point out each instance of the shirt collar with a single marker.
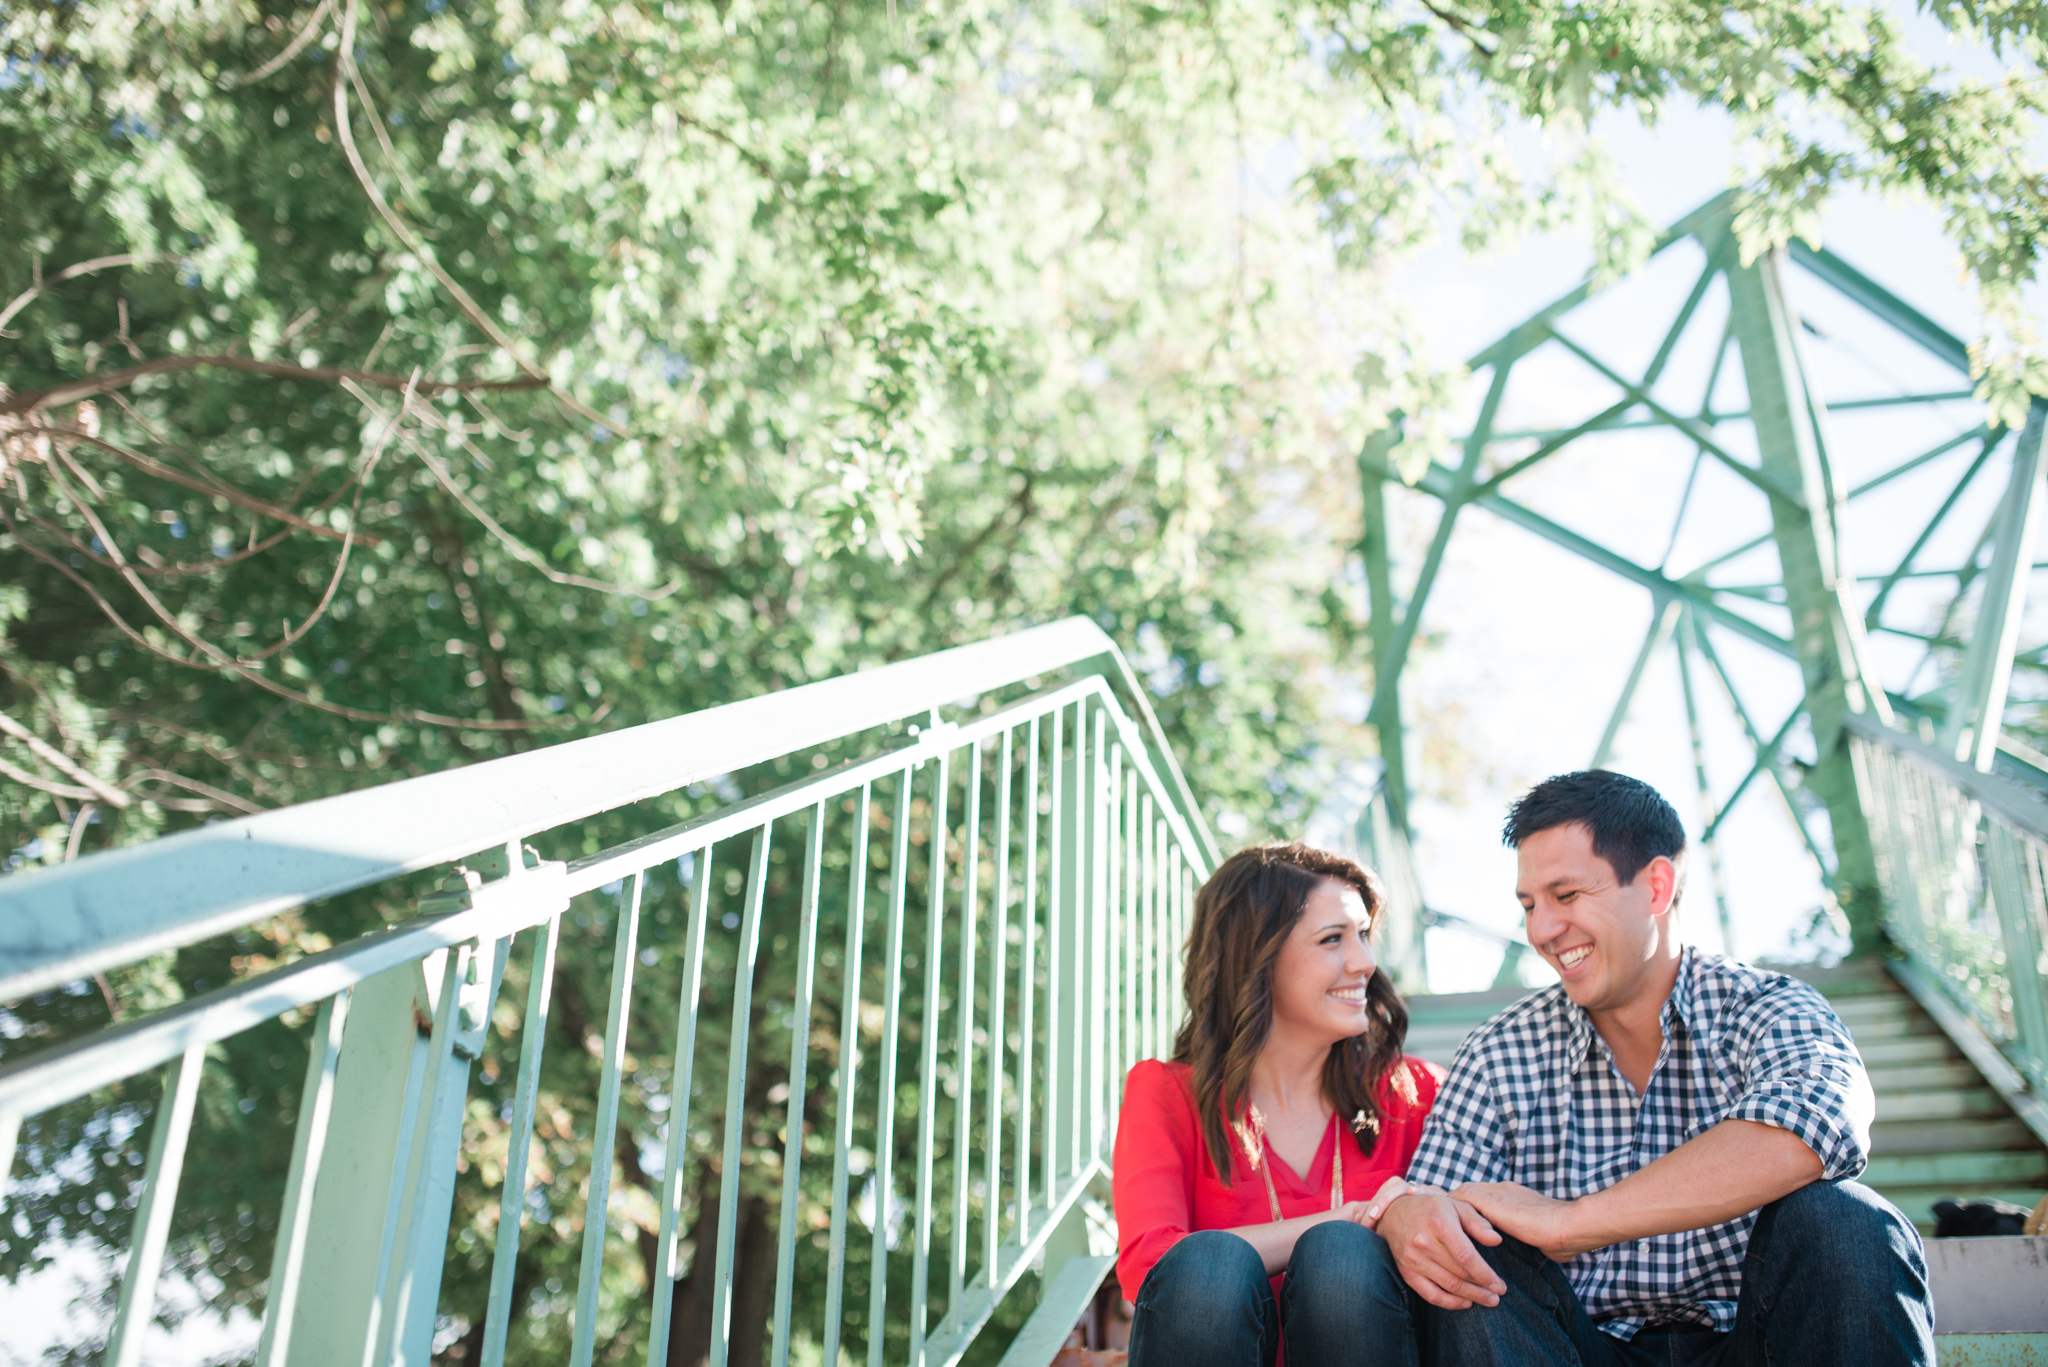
(1678, 1007)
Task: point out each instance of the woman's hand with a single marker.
(1368, 1212)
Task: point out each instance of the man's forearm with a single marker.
(1732, 1169)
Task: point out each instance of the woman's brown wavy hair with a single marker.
(1243, 915)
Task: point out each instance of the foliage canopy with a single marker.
(393, 385)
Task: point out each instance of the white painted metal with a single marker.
(153, 1215)
(404, 1012)
(309, 1147)
(604, 1130)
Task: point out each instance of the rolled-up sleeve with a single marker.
(1801, 1073)
(1465, 1139)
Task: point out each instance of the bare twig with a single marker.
(1461, 27)
(71, 844)
(23, 776)
(224, 490)
(215, 796)
(290, 695)
(341, 561)
(344, 70)
(98, 263)
(165, 365)
(518, 548)
(306, 34)
(63, 763)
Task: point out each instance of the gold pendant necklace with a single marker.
(1252, 1134)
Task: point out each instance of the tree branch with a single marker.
(35, 400)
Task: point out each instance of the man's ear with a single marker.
(1663, 876)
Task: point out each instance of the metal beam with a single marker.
(1710, 819)
(1847, 280)
(1381, 615)
(1438, 481)
(1975, 720)
(1663, 618)
(1830, 661)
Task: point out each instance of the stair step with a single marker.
(1948, 1075)
(1902, 1026)
(1975, 1104)
(1951, 1136)
(1858, 1011)
(1911, 1049)
(2008, 1167)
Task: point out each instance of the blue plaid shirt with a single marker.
(1534, 1097)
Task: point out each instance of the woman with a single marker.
(1251, 1169)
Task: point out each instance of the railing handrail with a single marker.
(64, 923)
(2014, 803)
(50, 1077)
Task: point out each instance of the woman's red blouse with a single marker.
(1166, 1188)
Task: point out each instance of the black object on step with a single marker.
(1968, 1219)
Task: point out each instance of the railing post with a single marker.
(376, 1100)
(377, 1232)
(1826, 634)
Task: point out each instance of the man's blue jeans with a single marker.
(1833, 1275)
(1208, 1303)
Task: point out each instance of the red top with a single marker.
(1166, 1187)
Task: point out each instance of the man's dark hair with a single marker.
(1630, 821)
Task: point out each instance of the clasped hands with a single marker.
(1432, 1234)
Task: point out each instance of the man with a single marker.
(1664, 1141)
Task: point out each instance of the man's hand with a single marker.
(1431, 1237)
(1540, 1221)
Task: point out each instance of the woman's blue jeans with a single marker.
(1208, 1303)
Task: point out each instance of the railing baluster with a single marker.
(999, 946)
(928, 1067)
(799, 1061)
(680, 1074)
(1162, 912)
(736, 1101)
(1027, 985)
(1134, 920)
(1148, 923)
(153, 1213)
(1184, 889)
(309, 1144)
(1112, 939)
(1079, 1032)
(963, 1104)
(884, 1179)
(533, 1031)
(1055, 927)
(849, 1072)
(604, 1127)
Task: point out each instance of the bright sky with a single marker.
(1531, 645)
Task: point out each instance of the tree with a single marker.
(394, 386)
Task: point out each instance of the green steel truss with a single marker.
(1825, 627)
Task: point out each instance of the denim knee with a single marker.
(1203, 1273)
(1847, 1219)
(1338, 1256)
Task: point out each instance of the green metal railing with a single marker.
(1962, 857)
(1059, 848)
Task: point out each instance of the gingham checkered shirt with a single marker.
(1534, 1097)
